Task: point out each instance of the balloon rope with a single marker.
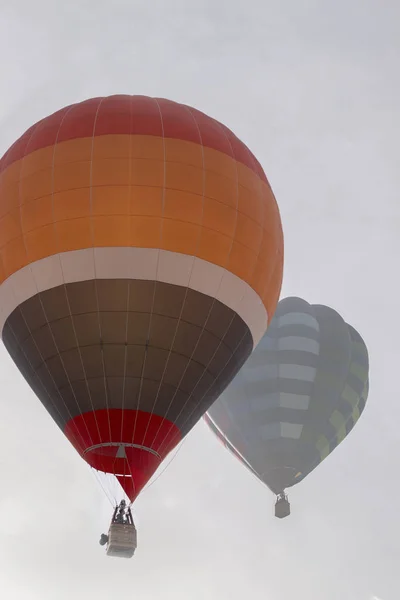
(98, 479)
(165, 468)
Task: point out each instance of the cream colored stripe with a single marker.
(135, 263)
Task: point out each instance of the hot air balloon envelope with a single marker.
(297, 396)
(141, 256)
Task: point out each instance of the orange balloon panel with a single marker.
(152, 202)
(133, 171)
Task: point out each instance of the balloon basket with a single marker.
(282, 508)
(122, 540)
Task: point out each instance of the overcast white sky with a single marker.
(313, 87)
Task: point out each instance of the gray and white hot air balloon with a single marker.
(296, 398)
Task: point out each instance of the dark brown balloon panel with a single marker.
(112, 346)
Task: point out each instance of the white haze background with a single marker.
(313, 87)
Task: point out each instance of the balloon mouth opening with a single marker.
(279, 479)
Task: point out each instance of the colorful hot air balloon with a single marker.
(141, 257)
(296, 398)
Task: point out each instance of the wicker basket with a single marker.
(122, 540)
